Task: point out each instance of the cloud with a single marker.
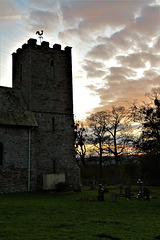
(118, 93)
(102, 51)
(139, 60)
(156, 45)
(90, 18)
(42, 5)
(40, 19)
(120, 74)
(117, 88)
(148, 21)
(133, 51)
(100, 13)
(9, 10)
(94, 69)
(42, 15)
(115, 43)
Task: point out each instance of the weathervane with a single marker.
(40, 35)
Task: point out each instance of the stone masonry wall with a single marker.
(14, 170)
(53, 146)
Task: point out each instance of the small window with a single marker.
(52, 69)
(53, 124)
(1, 154)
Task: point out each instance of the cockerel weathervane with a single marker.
(40, 35)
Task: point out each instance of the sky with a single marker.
(115, 45)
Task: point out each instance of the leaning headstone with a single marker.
(100, 193)
(113, 197)
(127, 193)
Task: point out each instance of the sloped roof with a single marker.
(13, 109)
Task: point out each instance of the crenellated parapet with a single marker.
(44, 45)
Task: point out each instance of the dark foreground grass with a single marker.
(37, 216)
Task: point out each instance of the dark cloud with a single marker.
(152, 74)
(119, 74)
(139, 60)
(9, 10)
(119, 93)
(122, 71)
(148, 21)
(156, 45)
(40, 19)
(134, 60)
(86, 19)
(102, 51)
(94, 69)
(117, 88)
(100, 13)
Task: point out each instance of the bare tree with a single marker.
(97, 122)
(117, 132)
(110, 132)
(80, 140)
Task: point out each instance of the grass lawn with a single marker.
(37, 216)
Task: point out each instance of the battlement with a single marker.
(44, 45)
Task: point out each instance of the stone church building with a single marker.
(36, 120)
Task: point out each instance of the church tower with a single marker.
(44, 77)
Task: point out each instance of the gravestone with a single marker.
(120, 187)
(127, 193)
(113, 197)
(100, 193)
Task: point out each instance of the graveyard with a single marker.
(81, 215)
